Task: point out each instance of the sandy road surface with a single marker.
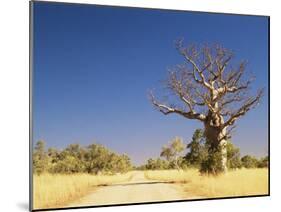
(138, 189)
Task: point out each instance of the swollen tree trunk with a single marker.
(217, 143)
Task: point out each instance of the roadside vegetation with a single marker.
(92, 159)
(240, 182)
(56, 190)
(246, 175)
(195, 154)
(63, 176)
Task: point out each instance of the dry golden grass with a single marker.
(234, 183)
(50, 191)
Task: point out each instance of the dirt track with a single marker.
(138, 189)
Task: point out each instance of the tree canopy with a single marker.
(94, 159)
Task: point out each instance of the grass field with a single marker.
(234, 183)
(50, 191)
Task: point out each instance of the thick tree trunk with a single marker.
(217, 145)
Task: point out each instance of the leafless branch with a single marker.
(211, 89)
(168, 109)
(250, 103)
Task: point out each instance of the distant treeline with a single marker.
(172, 156)
(94, 159)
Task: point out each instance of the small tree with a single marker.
(196, 149)
(249, 161)
(167, 153)
(97, 158)
(173, 151)
(156, 164)
(119, 163)
(263, 162)
(233, 156)
(198, 154)
(40, 158)
(53, 155)
(150, 164)
(68, 165)
(76, 151)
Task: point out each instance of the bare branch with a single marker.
(168, 109)
(196, 70)
(209, 87)
(250, 103)
(234, 89)
(180, 84)
(235, 75)
(232, 99)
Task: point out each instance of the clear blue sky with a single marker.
(93, 67)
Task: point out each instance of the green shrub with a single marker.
(249, 161)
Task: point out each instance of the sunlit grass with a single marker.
(50, 191)
(234, 183)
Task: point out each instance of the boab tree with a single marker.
(172, 151)
(208, 88)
